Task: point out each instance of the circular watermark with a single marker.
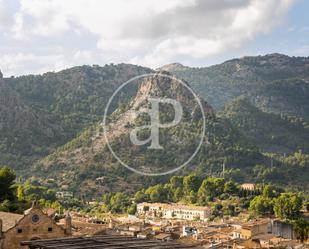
(155, 124)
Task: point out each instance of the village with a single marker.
(155, 225)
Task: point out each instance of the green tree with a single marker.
(301, 230)
(50, 195)
(270, 191)
(190, 198)
(211, 187)
(106, 198)
(5, 206)
(20, 196)
(230, 210)
(119, 202)
(231, 188)
(132, 209)
(7, 178)
(191, 183)
(157, 193)
(260, 206)
(178, 194)
(140, 196)
(176, 182)
(288, 206)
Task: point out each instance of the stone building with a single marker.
(282, 229)
(35, 224)
(173, 211)
(248, 186)
(254, 228)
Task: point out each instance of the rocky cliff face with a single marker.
(86, 160)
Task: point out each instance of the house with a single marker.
(164, 237)
(173, 211)
(128, 233)
(282, 229)
(146, 234)
(248, 186)
(188, 231)
(254, 228)
(216, 238)
(64, 195)
(51, 212)
(32, 225)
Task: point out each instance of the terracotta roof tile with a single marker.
(9, 220)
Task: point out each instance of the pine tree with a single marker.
(20, 196)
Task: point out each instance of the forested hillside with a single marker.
(258, 127)
(272, 132)
(274, 82)
(41, 112)
(87, 162)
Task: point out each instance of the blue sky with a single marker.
(290, 38)
(37, 36)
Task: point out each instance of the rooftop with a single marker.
(252, 223)
(174, 206)
(105, 241)
(9, 220)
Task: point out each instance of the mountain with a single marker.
(86, 165)
(25, 134)
(50, 123)
(271, 132)
(273, 83)
(41, 112)
(75, 96)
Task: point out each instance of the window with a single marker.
(19, 230)
(50, 229)
(35, 218)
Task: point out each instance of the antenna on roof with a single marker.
(223, 170)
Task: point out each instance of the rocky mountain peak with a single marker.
(172, 66)
(164, 84)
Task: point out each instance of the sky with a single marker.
(37, 36)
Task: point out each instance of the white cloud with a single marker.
(23, 63)
(5, 18)
(147, 32)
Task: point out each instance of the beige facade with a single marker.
(248, 186)
(254, 228)
(170, 211)
(33, 225)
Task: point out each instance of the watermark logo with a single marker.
(155, 124)
(160, 130)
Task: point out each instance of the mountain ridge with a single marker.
(74, 99)
(274, 83)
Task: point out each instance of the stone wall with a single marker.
(35, 225)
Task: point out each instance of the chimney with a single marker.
(68, 224)
(111, 224)
(0, 228)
